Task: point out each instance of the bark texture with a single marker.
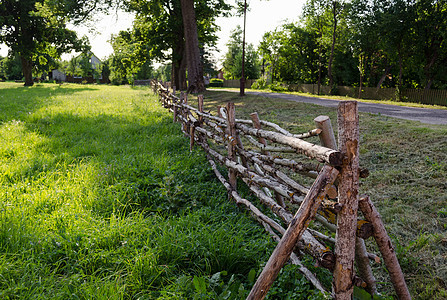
(196, 83)
(348, 136)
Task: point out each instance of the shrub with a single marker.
(278, 87)
(216, 82)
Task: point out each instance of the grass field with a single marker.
(408, 170)
(101, 199)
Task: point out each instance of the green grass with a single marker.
(101, 198)
(408, 170)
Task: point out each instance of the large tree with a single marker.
(233, 58)
(33, 30)
(159, 26)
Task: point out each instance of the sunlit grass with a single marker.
(100, 198)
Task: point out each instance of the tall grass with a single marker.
(100, 198)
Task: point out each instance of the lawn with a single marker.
(102, 199)
(408, 169)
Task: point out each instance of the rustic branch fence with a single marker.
(246, 150)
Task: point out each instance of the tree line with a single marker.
(386, 43)
(389, 43)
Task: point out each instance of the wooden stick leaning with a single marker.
(322, 154)
(296, 228)
(386, 248)
(267, 222)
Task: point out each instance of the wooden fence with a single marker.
(236, 83)
(432, 97)
(252, 153)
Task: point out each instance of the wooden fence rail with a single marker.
(244, 148)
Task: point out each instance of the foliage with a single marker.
(233, 58)
(215, 82)
(11, 68)
(392, 43)
(37, 33)
(159, 33)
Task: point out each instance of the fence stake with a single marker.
(231, 128)
(327, 137)
(348, 195)
(386, 248)
(296, 228)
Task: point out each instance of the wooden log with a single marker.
(239, 200)
(348, 195)
(327, 137)
(252, 176)
(307, 243)
(257, 124)
(386, 248)
(306, 169)
(277, 174)
(296, 228)
(363, 266)
(322, 154)
(310, 133)
(265, 149)
(231, 131)
(296, 261)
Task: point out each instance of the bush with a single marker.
(216, 82)
(278, 87)
(259, 84)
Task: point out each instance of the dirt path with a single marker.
(424, 115)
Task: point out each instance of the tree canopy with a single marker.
(362, 43)
(36, 31)
(233, 58)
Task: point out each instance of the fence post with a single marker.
(327, 137)
(348, 197)
(231, 128)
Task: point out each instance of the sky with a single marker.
(264, 16)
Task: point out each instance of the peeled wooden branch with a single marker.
(272, 184)
(317, 152)
(296, 228)
(276, 173)
(386, 248)
(240, 200)
(265, 148)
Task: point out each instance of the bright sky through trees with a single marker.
(264, 16)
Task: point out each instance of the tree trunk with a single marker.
(331, 57)
(382, 79)
(27, 69)
(178, 73)
(196, 83)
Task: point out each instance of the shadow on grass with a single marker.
(17, 101)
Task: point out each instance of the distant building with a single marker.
(95, 62)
